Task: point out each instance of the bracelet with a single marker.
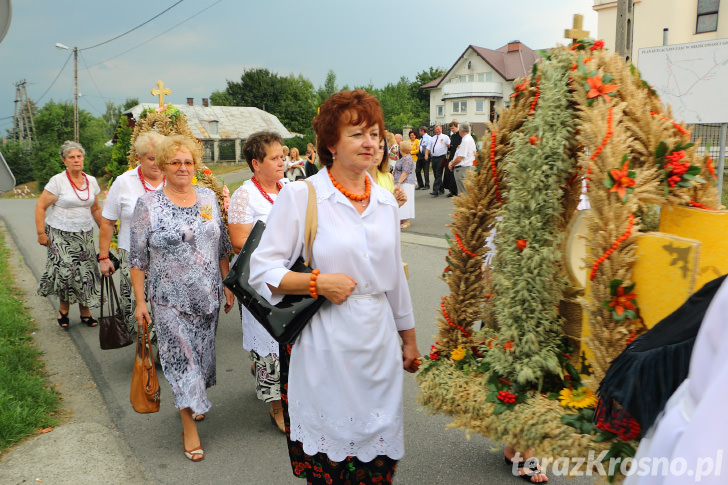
(101, 258)
(312, 283)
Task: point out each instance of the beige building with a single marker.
(478, 83)
(686, 21)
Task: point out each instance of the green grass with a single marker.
(27, 401)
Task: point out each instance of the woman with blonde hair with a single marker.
(404, 179)
(296, 166)
(179, 239)
(119, 206)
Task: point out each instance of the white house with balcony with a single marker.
(478, 84)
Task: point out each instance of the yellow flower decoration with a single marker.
(458, 353)
(194, 180)
(206, 212)
(578, 398)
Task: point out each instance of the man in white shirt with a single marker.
(464, 157)
(422, 163)
(435, 153)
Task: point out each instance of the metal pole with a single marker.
(664, 35)
(75, 94)
(721, 160)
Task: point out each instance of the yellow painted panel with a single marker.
(708, 227)
(664, 274)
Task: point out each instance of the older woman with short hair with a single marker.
(178, 237)
(342, 381)
(71, 273)
(119, 206)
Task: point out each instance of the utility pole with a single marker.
(23, 126)
(75, 93)
(625, 23)
(75, 88)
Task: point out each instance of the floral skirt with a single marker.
(187, 354)
(71, 272)
(319, 469)
(267, 376)
(126, 297)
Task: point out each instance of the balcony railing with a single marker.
(472, 89)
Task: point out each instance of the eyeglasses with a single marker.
(179, 163)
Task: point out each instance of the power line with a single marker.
(158, 35)
(132, 30)
(56, 79)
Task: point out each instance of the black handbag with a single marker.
(285, 320)
(113, 333)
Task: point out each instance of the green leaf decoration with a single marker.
(499, 408)
(613, 285)
(661, 150)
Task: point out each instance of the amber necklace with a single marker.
(144, 182)
(267, 197)
(76, 188)
(355, 197)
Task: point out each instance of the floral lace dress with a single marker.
(180, 249)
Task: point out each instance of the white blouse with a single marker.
(247, 205)
(345, 380)
(69, 213)
(121, 200)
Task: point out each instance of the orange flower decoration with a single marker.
(622, 180)
(599, 44)
(207, 171)
(622, 301)
(599, 89)
(519, 88)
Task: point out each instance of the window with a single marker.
(707, 16)
(479, 106)
(459, 106)
(212, 128)
(463, 79)
(471, 77)
(488, 76)
(481, 77)
(441, 110)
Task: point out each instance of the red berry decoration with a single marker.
(521, 243)
(533, 140)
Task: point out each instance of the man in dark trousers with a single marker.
(422, 164)
(448, 179)
(435, 153)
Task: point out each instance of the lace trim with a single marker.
(237, 211)
(311, 432)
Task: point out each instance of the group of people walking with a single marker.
(337, 391)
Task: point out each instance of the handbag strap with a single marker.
(111, 295)
(309, 232)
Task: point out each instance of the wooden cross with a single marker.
(576, 33)
(161, 91)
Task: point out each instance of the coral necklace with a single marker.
(265, 195)
(76, 188)
(144, 182)
(355, 197)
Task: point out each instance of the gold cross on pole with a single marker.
(576, 33)
(161, 91)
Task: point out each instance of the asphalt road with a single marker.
(241, 445)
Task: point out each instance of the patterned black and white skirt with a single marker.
(71, 272)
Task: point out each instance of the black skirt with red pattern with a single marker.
(319, 469)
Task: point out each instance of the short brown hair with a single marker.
(345, 107)
(172, 144)
(256, 144)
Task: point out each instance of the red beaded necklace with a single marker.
(76, 189)
(267, 197)
(144, 182)
(355, 197)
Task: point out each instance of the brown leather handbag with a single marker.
(144, 392)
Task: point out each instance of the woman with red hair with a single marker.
(341, 380)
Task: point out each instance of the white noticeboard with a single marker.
(691, 78)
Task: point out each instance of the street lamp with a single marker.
(75, 87)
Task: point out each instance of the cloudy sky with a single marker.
(199, 44)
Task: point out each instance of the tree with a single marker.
(20, 160)
(329, 88)
(292, 99)
(113, 113)
(119, 162)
